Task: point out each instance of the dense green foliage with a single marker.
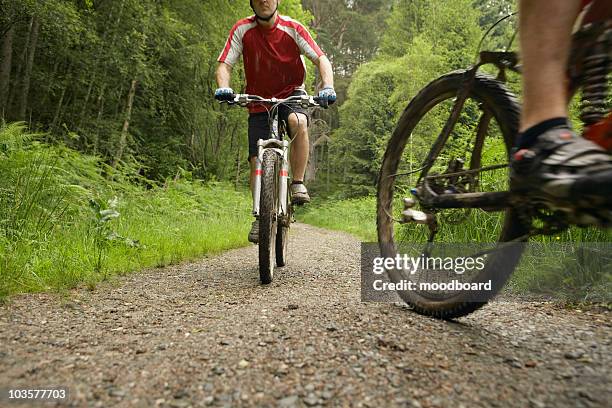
(423, 41)
(355, 215)
(114, 127)
(559, 269)
(131, 81)
(128, 80)
(67, 218)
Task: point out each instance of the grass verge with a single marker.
(554, 266)
(67, 219)
(356, 216)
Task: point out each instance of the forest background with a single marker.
(114, 155)
(132, 81)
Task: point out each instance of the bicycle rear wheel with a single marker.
(491, 113)
(268, 216)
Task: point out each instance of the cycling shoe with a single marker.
(299, 193)
(254, 232)
(563, 170)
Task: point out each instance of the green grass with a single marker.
(356, 216)
(549, 268)
(66, 219)
(576, 273)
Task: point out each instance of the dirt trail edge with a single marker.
(207, 334)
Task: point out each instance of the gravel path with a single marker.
(207, 334)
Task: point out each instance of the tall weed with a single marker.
(67, 218)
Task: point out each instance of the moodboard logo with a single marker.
(476, 271)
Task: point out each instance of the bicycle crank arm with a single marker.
(492, 201)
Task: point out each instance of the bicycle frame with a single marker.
(495, 201)
(280, 147)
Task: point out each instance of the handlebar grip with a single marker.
(321, 101)
(225, 97)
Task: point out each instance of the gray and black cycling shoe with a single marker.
(254, 233)
(563, 170)
(299, 194)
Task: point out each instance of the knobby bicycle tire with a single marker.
(496, 99)
(282, 234)
(267, 216)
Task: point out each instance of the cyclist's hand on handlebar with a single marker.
(327, 94)
(224, 94)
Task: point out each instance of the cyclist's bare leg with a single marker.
(298, 126)
(552, 163)
(545, 43)
(254, 232)
(298, 157)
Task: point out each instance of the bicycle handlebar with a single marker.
(305, 101)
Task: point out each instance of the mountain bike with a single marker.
(271, 196)
(461, 129)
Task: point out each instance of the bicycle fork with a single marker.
(283, 179)
(282, 149)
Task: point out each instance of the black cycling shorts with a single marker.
(259, 126)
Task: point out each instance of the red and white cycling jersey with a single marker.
(273, 60)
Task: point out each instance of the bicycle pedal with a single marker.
(416, 216)
(409, 203)
(299, 203)
(286, 221)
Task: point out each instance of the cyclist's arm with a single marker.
(224, 75)
(325, 69)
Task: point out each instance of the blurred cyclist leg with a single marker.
(545, 34)
(298, 129)
(551, 160)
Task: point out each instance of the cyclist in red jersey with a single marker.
(272, 47)
(550, 159)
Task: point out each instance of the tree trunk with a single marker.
(18, 71)
(311, 166)
(238, 161)
(232, 143)
(233, 132)
(205, 134)
(118, 105)
(328, 169)
(5, 70)
(309, 175)
(47, 93)
(126, 124)
(216, 144)
(101, 101)
(25, 90)
(85, 102)
(192, 152)
(58, 110)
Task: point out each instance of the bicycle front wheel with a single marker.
(481, 137)
(268, 216)
(282, 234)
